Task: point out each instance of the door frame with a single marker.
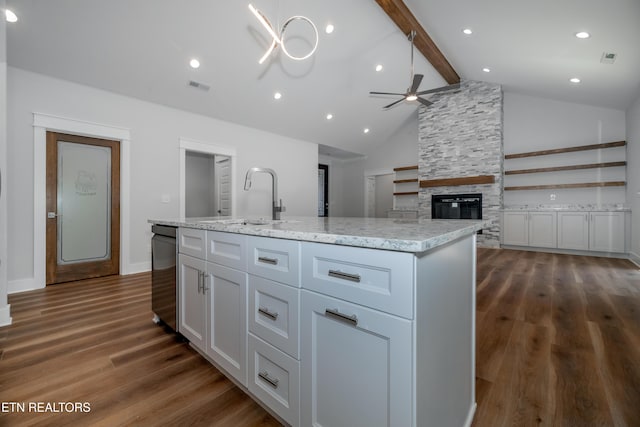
(372, 174)
(46, 122)
(185, 145)
(325, 167)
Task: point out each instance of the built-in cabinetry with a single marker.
(335, 335)
(601, 231)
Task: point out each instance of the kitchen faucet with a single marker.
(274, 189)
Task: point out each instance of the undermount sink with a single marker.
(247, 221)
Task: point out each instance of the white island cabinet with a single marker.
(337, 322)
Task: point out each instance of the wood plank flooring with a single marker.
(558, 344)
(558, 340)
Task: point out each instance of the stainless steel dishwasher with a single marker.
(164, 294)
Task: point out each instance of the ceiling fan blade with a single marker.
(386, 107)
(424, 102)
(416, 83)
(386, 93)
(439, 89)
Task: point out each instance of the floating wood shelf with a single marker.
(567, 150)
(579, 185)
(467, 180)
(406, 193)
(406, 168)
(403, 181)
(566, 168)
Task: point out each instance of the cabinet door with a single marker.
(573, 230)
(191, 300)
(515, 230)
(542, 229)
(606, 231)
(226, 291)
(356, 365)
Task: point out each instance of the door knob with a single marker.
(51, 215)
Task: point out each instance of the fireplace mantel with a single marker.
(466, 180)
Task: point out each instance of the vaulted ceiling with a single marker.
(142, 48)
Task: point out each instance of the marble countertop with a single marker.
(570, 207)
(404, 235)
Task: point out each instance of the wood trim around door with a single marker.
(63, 273)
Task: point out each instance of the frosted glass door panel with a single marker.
(84, 203)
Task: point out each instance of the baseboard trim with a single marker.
(568, 251)
(24, 285)
(634, 258)
(472, 412)
(135, 268)
(5, 315)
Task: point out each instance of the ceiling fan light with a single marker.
(411, 97)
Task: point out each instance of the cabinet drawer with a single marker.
(274, 311)
(193, 242)
(374, 278)
(274, 378)
(275, 259)
(227, 249)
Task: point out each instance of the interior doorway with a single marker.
(83, 207)
(323, 190)
(207, 185)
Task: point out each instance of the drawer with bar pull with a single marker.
(274, 311)
(275, 259)
(378, 279)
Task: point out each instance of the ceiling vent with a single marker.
(199, 85)
(608, 58)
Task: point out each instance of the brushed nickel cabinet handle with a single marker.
(200, 285)
(266, 260)
(270, 314)
(272, 381)
(345, 276)
(353, 319)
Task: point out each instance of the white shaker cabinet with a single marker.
(356, 365)
(594, 231)
(529, 228)
(573, 230)
(192, 320)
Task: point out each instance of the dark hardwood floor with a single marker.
(558, 344)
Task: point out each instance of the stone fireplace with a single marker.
(460, 149)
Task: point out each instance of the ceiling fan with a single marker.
(412, 93)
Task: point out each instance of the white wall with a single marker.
(5, 317)
(155, 132)
(345, 196)
(400, 150)
(633, 176)
(532, 124)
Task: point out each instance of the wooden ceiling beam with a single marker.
(404, 19)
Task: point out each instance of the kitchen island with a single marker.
(336, 321)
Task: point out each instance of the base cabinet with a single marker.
(192, 310)
(356, 365)
(523, 228)
(593, 231)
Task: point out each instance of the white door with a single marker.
(573, 230)
(606, 231)
(515, 230)
(355, 365)
(223, 172)
(542, 229)
(192, 303)
(226, 291)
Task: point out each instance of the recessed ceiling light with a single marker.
(467, 31)
(486, 70)
(277, 95)
(194, 63)
(379, 67)
(366, 130)
(329, 28)
(574, 80)
(10, 16)
(329, 116)
(583, 35)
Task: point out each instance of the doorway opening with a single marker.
(378, 194)
(83, 207)
(323, 190)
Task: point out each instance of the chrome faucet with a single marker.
(276, 209)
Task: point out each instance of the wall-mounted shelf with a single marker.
(406, 168)
(466, 180)
(566, 150)
(403, 181)
(566, 167)
(406, 193)
(405, 186)
(578, 185)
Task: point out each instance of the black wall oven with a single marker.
(456, 206)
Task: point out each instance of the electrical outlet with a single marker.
(552, 197)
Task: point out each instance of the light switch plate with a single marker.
(166, 198)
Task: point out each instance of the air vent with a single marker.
(608, 58)
(199, 85)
